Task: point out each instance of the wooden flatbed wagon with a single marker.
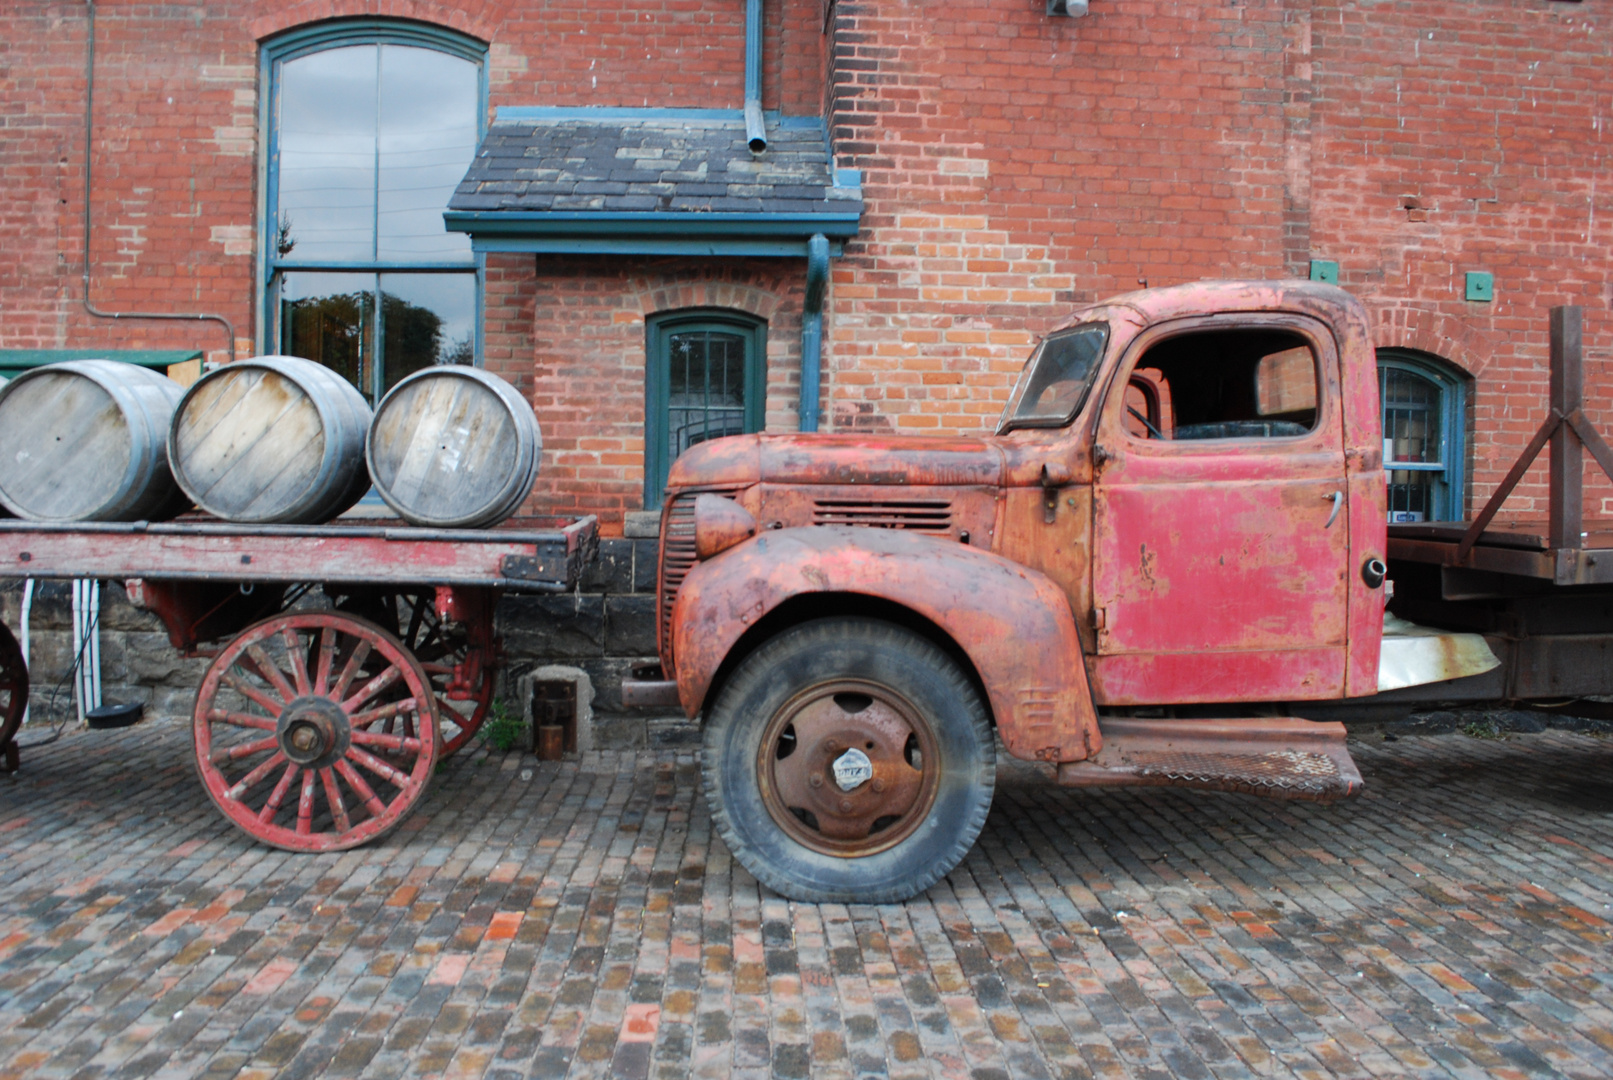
(316, 727)
(1540, 591)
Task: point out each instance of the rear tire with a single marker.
(849, 760)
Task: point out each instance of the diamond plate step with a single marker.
(1279, 757)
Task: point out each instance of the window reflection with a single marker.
(371, 139)
(705, 388)
(417, 319)
(426, 319)
(328, 318)
(327, 155)
(427, 140)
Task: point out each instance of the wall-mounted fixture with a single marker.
(1480, 286)
(1325, 270)
(1072, 8)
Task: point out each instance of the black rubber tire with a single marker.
(826, 650)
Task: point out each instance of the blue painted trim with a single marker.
(817, 283)
(1453, 450)
(646, 245)
(17, 360)
(518, 114)
(331, 35)
(648, 223)
(658, 329)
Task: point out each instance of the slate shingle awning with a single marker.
(654, 182)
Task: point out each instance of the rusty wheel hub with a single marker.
(313, 732)
(848, 768)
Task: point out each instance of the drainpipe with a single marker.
(812, 329)
(755, 132)
(89, 128)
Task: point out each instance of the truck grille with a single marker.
(677, 559)
(920, 515)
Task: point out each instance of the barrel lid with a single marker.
(65, 445)
(453, 446)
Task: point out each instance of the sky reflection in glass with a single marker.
(372, 140)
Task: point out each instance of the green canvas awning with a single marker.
(16, 361)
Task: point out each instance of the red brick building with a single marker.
(975, 169)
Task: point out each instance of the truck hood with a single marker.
(741, 460)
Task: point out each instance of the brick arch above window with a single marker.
(764, 301)
(478, 20)
(1419, 329)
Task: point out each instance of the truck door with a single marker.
(1221, 546)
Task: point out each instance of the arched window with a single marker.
(371, 125)
(706, 379)
(1424, 423)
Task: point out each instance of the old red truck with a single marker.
(1173, 543)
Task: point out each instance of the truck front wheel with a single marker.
(849, 760)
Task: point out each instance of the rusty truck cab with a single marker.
(1182, 504)
(1210, 501)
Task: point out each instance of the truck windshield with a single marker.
(1056, 379)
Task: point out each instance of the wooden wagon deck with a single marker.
(530, 560)
(1519, 548)
(316, 727)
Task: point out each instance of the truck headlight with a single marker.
(719, 524)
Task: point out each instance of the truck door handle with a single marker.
(1338, 504)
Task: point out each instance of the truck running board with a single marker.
(1282, 758)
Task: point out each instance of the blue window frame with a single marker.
(371, 124)
(707, 378)
(1424, 405)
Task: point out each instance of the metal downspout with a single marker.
(89, 130)
(812, 329)
(755, 130)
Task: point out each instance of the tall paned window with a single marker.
(371, 126)
(1424, 422)
(706, 379)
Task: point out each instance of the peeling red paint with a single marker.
(1217, 570)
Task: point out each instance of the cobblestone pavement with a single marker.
(580, 919)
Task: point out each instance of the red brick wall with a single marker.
(175, 152)
(1450, 137)
(586, 318)
(1014, 165)
(174, 175)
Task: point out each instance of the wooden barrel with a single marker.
(86, 440)
(271, 440)
(454, 447)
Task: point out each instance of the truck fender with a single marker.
(1013, 623)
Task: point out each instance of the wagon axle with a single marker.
(314, 732)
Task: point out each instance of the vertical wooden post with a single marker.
(1567, 503)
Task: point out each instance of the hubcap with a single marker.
(853, 769)
(313, 731)
(848, 768)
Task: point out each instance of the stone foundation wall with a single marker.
(600, 631)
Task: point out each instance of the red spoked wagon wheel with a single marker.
(13, 695)
(315, 731)
(461, 671)
(458, 659)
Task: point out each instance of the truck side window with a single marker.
(1054, 384)
(1224, 384)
